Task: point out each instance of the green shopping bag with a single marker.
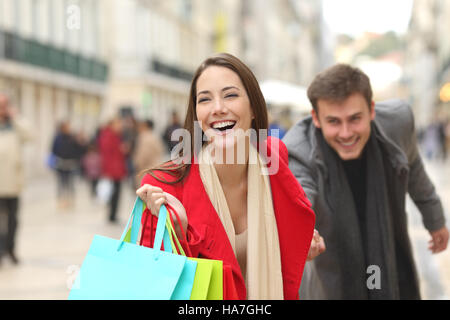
(115, 269)
(208, 283)
(202, 280)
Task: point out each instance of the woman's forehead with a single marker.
(217, 77)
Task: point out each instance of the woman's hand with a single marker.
(155, 197)
(317, 246)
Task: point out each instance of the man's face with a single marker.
(345, 125)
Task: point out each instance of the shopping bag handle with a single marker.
(169, 245)
(171, 239)
(135, 216)
(160, 228)
(183, 234)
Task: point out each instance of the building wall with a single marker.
(44, 93)
(151, 49)
(155, 48)
(291, 49)
(428, 57)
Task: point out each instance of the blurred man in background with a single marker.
(13, 135)
(67, 152)
(149, 149)
(356, 161)
(167, 136)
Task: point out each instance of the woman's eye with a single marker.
(231, 95)
(202, 100)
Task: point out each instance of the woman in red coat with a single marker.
(231, 184)
(112, 154)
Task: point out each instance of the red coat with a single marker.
(112, 157)
(207, 237)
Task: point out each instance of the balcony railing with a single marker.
(169, 70)
(33, 52)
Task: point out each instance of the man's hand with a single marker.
(439, 240)
(317, 246)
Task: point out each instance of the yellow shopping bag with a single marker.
(208, 281)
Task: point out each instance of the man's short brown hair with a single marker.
(338, 83)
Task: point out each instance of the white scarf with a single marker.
(264, 277)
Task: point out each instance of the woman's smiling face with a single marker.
(222, 105)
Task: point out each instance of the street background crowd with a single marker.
(100, 86)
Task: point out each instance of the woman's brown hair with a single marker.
(257, 105)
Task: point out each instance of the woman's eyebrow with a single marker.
(224, 89)
(204, 92)
(230, 87)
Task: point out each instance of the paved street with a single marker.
(434, 270)
(52, 243)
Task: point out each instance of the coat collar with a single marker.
(396, 155)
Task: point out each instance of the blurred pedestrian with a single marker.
(67, 152)
(432, 140)
(275, 128)
(356, 161)
(447, 136)
(167, 136)
(255, 219)
(129, 136)
(285, 118)
(14, 132)
(443, 139)
(112, 153)
(92, 166)
(149, 149)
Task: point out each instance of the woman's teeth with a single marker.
(223, 125)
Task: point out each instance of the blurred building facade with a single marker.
(154, 47)
(428, 58)
(85, 60)
(52, 67)
(283, 40)
(284, 43)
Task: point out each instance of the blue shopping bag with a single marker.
(119, 270)
(183, 289)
